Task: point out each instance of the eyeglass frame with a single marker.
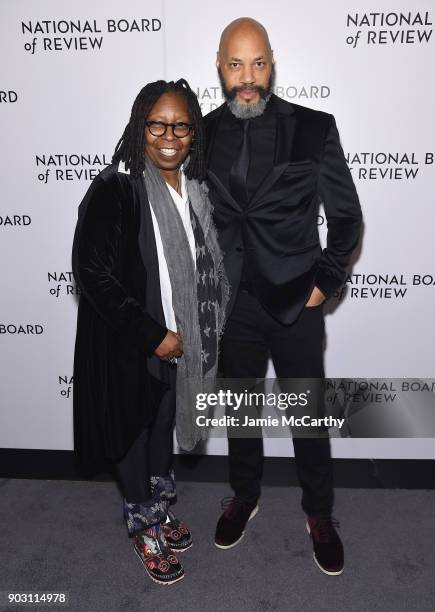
(172, 125)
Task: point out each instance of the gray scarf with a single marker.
(190, 377)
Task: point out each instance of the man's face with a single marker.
(245, 65)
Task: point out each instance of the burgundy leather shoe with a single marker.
(231, 525)
(328, 549)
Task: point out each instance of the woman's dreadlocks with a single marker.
(131, 146)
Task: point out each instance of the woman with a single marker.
(147, 260)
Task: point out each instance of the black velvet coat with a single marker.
(118, 381)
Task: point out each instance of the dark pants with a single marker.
(151, 453)
(251, 336)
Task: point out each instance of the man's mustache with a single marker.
(245, 87)
(262, 91)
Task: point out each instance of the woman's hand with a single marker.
(171, 346)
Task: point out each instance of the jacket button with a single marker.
(239, 249)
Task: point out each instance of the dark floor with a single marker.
(63, 536)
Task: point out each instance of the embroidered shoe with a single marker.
(177, 535)
(160, 562)
(328, 549)
(231, 525)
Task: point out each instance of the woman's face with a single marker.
(168, 152)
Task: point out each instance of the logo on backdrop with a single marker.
(211, 97)
(18, 329)
(383, 286)
(80, 34)
(8, 96)
(69, 166)
(388, 166)
(302, 92)
(65, 385)
(62, 283)
(408, 28)
(15, 221)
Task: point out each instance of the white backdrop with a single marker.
(68, 77)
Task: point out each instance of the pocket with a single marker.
(301, 250)
(305, 165)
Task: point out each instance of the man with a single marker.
(270, 163)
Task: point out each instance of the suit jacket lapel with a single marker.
(285, 130)
(211, 127)
(223, 191)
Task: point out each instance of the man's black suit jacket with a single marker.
(277, 231)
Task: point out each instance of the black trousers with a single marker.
(252, 336)
(152, 452)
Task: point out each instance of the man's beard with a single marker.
(248, 111)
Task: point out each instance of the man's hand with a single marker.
(171, 346)
(316, 298)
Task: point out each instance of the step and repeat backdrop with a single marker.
(68, 76)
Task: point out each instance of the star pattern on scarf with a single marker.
(206, 282)
(213, 277)
(200, 252)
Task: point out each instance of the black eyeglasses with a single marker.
(179, 130)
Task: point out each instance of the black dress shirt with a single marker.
(228, 143)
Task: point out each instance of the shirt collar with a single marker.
(181, 199)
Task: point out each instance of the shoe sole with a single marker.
(251, 516)
(155, 579)
(181, 549)
(322, 569)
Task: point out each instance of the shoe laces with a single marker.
(232, 505)
(324, 529)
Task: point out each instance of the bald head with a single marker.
(245, 62)
(244, 27)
